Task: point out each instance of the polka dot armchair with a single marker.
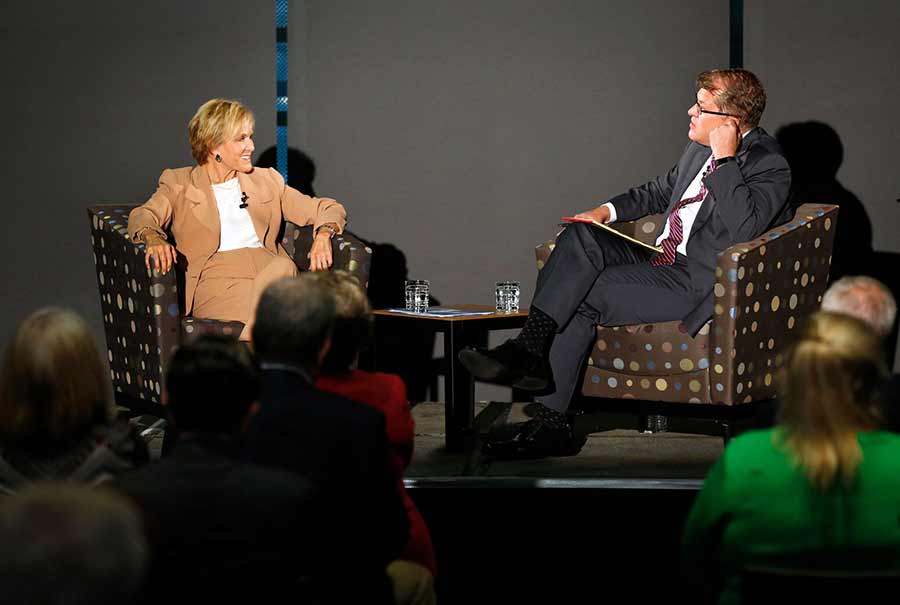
(763, 289)
(142, 310)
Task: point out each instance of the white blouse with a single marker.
(237, 229)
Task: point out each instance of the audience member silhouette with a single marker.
(222, 530)
(815, 153)
(817, 491)
(869, 300)
(407, 352)
(340, 444)
(864, 298)
(57, 416)
(384, 392)
(69, 544)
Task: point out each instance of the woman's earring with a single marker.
(218, 158)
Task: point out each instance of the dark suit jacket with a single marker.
(746, 198)
(342, 446)
(221, 528)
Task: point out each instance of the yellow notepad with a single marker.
(572, 219)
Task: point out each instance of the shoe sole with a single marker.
(486, 369)
(530, 383)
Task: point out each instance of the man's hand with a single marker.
(600, 214)
(725, 139)
(161, 252)
(320, 253)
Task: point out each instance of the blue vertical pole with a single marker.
(736, 37)
(281, 82)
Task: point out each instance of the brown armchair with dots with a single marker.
(763, 289)
(143, 311)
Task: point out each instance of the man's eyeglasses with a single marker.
(702, 111)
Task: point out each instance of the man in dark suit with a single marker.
(730, 185)
(222, 530)
(340, 444)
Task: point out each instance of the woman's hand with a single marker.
(161, 252)
(320, 253)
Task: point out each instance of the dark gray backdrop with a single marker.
(458, 131)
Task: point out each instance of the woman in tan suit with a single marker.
(225, 217)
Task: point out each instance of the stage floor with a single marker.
(612, 451)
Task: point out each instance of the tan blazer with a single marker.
(185, 204)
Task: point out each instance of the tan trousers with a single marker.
(232, 282)
(413, 583)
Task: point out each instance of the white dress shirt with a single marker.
(687, 213)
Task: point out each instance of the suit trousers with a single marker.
(232, 282)
(594, 277)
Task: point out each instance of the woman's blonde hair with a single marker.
(829, 391)
(54, 385)
(215, 121)
(352, 320)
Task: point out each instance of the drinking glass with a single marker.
(417, 292)
(506, 293)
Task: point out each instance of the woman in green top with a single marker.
(821, 490)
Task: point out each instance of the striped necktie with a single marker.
(676, 234)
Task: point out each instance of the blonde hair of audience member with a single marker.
(353, 320)
(53, 384)
(829, 392)
(214, 122)
(68, 543)
(864, 298)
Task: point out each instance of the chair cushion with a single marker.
(659, 362)
(194, 327)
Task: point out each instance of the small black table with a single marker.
(459, 333)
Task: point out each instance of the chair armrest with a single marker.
(763, 290)
(140, 307)
(348, 252)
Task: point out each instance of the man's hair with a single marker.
(69, 543)
(736, 91)
(829, 391)
(215, 121)
(353, 320)
(294, 318)
(211, 384)
(862, 297)
(54, 386)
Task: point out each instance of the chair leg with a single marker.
(726, 431)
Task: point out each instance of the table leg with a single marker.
(459, 390)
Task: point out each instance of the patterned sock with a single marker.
(537, 333)
(551, 417)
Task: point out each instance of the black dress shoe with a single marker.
(509, 365)
(533, 439)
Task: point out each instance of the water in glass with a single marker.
(417, 293)
(506, 294)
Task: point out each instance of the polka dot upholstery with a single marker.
(660, 362)
(140, 308)
(349, 252)
(194, 327)
(143, 311)
(763, 289)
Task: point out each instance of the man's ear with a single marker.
(323, 352)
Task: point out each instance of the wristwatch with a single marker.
(326, 226)
(725, 160)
